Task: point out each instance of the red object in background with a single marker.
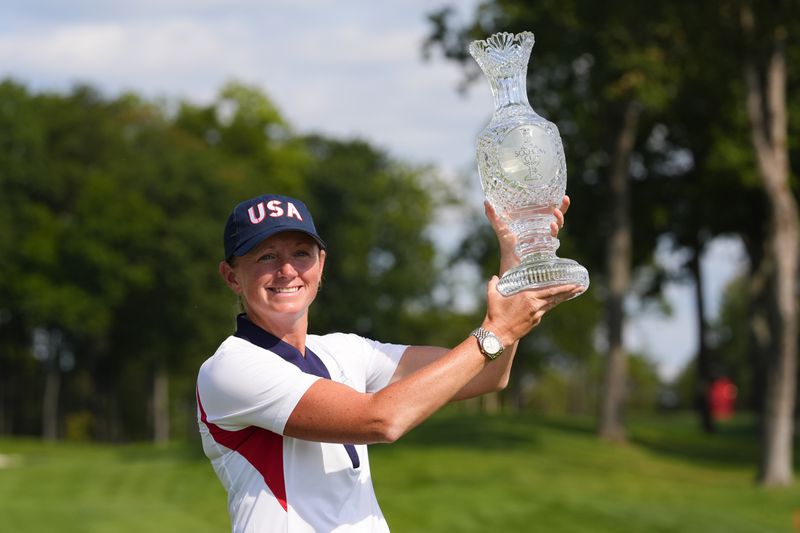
(721, 398)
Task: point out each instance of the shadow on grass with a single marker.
(735, 443)
(576, 425)
(474, 431)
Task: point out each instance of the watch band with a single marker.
(489, 343)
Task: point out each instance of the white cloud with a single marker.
(177, 55)
(354, 70)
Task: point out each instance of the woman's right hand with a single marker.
(512, 317)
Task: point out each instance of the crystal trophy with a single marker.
(522, 167)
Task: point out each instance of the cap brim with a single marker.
(260, 237)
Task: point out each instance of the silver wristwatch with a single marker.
(490, 345)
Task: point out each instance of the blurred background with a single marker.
(128, 131)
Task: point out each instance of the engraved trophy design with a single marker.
(522, 167)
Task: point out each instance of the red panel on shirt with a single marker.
(262, 448)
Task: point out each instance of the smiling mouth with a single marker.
(284, 290)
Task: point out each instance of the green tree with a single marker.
(112, 217)
(21, 140)
(374, 214)
(765, 66)
(61, 281)
(752, 56)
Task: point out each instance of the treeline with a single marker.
(111, 217)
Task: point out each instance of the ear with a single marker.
(322, 256)
(229, 276)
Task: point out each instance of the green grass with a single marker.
(531, 474)
(87, 488)
(455, 473)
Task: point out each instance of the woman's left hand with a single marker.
(505, 238)
(508, 241)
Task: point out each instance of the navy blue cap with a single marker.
(261, 217)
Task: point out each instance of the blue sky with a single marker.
(351, 68)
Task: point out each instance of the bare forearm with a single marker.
(414, 399)
(388, 414)
(494, 377)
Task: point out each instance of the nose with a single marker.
(287, 269)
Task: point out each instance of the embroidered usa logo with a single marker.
(275, 208)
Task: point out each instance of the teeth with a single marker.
(286, 289)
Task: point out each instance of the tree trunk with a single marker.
(767, 113)
(490, 403)
(761, 338)
(619, 274)
(5, 425)
(160, 405)
(52, 386)
(704, 372)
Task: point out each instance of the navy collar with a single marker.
(310, 364)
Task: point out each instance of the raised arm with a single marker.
(332, 412)
(495, 376)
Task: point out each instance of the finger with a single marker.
(547, 307)
(576, 291)
(506, 237)
(499, 224)
(559, 217)
(554, 291)
(553, 302)
(491, 214)
(565, 202)
(556, 226)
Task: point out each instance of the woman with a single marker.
(285, 416)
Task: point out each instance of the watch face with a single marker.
(492, 344)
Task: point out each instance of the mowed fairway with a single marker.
(457, 472)
(93, 488)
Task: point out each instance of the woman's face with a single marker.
(279, 277)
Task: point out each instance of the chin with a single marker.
(287, 307)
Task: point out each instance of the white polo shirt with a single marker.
(245, 395)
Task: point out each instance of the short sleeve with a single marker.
(382, 361)
(243, 385)
(364, 364)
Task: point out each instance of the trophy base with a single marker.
(543, 272)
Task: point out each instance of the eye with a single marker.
(267, 257)
(302, 253)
